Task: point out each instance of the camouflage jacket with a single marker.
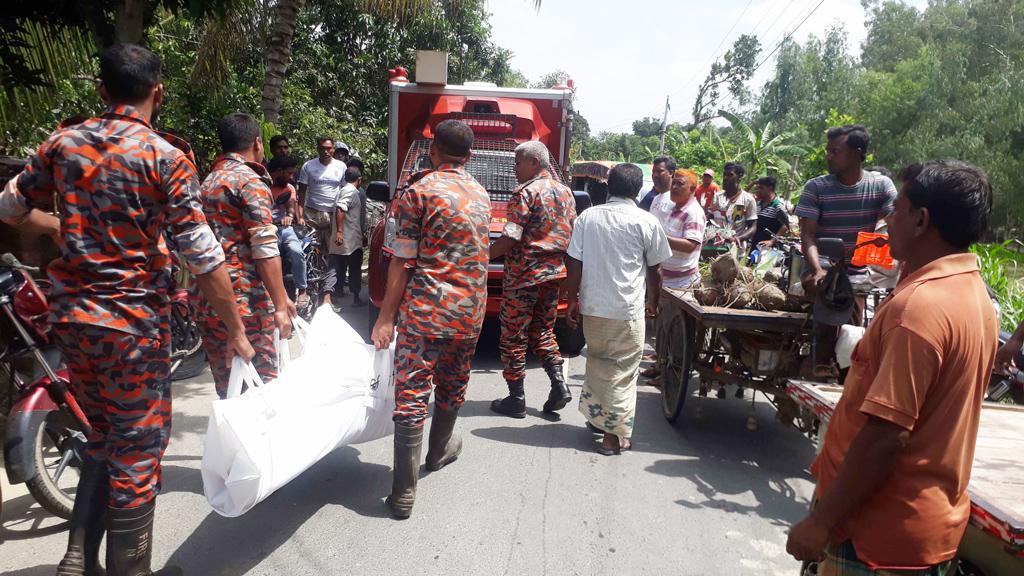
(118, 187)
(441, 226)
(238, 204)
(540, 218)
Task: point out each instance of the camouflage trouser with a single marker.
(123, 385)
(422, 363)
(259, 329)
(528, 315)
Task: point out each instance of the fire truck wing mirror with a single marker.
(378, 191)
(582, 200)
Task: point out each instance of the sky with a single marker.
(625, 57)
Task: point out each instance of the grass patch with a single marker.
(1002, 269)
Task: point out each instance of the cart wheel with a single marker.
(678, 365)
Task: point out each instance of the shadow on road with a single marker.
(41, 570)
(547, 435)
(23, 518)
(711, 448)
(725, 462)
(234, 546)
(478, 408)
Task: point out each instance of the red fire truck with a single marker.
(501, 118)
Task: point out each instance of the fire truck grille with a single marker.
(482, 123)
(492, 164)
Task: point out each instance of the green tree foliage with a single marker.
(551, 79)
(647, 127)
(945, 82)
(336, 83)
(731, 72)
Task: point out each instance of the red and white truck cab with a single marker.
(501, 119)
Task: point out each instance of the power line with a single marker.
(764, 15)
(778, 17)
(785, 36)
(790, 35)
(715, 53)
(782, 34)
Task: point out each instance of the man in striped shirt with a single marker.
(840, 204)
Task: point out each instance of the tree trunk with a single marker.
(279, 55)
(130, 21)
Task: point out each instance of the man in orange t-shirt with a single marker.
(707, 189)
(894, 468)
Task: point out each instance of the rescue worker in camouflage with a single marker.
(119, 187)
(534, 240)
(437, 288)
(237, 201)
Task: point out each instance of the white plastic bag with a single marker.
(339, 392)
(849, 336)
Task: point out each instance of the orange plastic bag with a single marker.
(868, 254)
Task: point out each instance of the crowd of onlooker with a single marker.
(327, 197)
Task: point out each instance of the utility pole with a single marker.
(664, 124)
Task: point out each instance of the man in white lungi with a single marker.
(612, 266)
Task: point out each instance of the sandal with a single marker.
(652, 372)
(623, 444)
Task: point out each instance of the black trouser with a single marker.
(350, 266)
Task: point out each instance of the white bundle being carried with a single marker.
(340, 391)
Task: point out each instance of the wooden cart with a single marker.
(994, 542)
(749, 348)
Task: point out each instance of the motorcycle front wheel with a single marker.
(57, 452)
(188, 359)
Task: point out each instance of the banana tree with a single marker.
(763, 152)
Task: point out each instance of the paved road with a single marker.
(527, 497)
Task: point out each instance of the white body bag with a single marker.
(340, 391)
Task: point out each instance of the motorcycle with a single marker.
(317, 271)
(1007, 388)
(188, 358)
(46, 427)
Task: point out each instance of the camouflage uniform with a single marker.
(238, 204)
(119, 186)
(441, 226)
(540, 218)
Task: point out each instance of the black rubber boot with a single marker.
(408, 443)
(443, 447)
(88, 523)
(130, 542)
(514, 404)
(560, 395)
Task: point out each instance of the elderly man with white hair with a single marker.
(534, 240)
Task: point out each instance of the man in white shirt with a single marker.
(615, 248)
(320, 181)
(347, 239)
